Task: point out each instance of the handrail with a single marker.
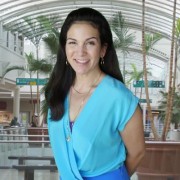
(162, 142)
(23, 141)
(7, 136)
(22, 135)
(17, 128)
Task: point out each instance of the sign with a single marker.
(151, 84)
(144, 100)
(31, 81)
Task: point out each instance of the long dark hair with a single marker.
(63, 75)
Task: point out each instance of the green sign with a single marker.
(152, 84)
(31, 81)
(144, 100)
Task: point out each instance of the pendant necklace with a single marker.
(68, 138)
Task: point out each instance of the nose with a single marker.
(81, 49)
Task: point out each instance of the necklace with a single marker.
(79, 91)
(85, 96)
(68, 138)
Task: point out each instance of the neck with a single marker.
(83, 83)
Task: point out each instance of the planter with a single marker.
(161, 161)
(38, 132)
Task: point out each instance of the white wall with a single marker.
(11, 53)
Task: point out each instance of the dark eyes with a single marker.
(86, 43)
(91, 43)
(71, 42)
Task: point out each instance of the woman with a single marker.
(94, 121)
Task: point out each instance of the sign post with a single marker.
(31, 81)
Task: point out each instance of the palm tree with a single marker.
(32, 65)
(150, 40)
(43, 67)
(171, 90)
(175, 109)
(30, 59)
(136, 75)
(37, 28)
(51, 40)
(177, 44)
(35, 36)
(123, 38)
(145, 72)
(26, 68)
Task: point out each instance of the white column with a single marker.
(16, 102)
(0, 32)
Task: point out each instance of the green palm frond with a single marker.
(51, 38)
(51, 41)
(176, 106)
(151, 40)
(177, 30)
(11, 68)
(123, 38)
(42, 66)
(49, 23)
(30, 57)
(135, 74)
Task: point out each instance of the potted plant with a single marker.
(162, 158)
(174, 133)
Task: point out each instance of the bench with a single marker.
(5, 167)
(29, 169)
(22, 159)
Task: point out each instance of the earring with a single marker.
(66, 62)
(102, 61)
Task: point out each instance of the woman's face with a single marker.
(83, 48)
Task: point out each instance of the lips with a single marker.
(82, 61)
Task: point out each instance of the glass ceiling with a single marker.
(158, 12)
(158, 15)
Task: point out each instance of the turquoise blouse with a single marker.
(95, 146)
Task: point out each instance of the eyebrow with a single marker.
(85, 40)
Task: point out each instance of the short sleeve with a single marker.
(128, 106)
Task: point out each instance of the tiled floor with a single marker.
(12, 174)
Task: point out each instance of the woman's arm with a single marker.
(133, 137)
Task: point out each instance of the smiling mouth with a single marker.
(82, 61)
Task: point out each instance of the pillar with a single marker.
(144, 115)
(1, 32)
(16, 102)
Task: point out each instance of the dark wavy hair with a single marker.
(63, 75)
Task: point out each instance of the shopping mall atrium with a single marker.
(26, 25)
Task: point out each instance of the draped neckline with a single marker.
(85, 105)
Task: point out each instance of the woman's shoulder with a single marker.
(114, 84)
(115, 88)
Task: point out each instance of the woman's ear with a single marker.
(103, 50)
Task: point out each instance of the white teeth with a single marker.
(81, 61)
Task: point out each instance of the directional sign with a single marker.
(152, 84)
(144, 100)
(31, 81)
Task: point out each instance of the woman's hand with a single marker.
(133, 137)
